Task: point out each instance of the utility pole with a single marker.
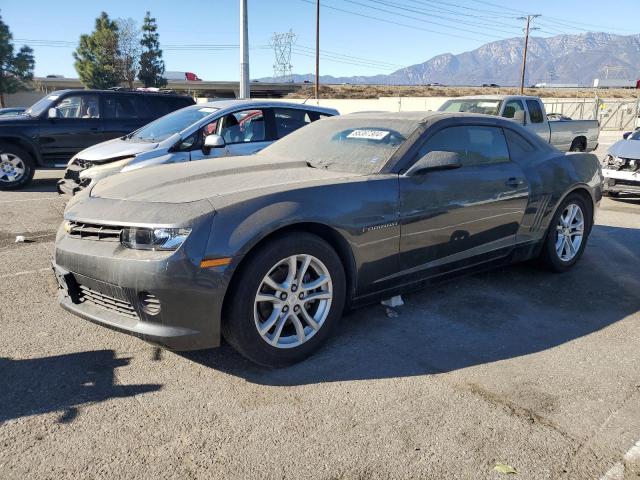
(527, 28)
(317, 89)
(244, 51)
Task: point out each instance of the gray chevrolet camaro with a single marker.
(269, 250)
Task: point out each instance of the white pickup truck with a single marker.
(564, 134)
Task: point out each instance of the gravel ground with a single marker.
(518, 366)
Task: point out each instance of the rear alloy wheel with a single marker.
(285, 300)
(16, 168)
(567, 234)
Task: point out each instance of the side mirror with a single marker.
(435, 160)
(52, 113)
(520, 117)
(626, 135)
(212, 141)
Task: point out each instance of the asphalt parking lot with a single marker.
(519, 366)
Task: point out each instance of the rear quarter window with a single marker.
(520, 148)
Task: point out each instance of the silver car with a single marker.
(621, 166)
(216, 129)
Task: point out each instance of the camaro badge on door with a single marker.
(379, 227)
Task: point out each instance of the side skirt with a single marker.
(520, 253)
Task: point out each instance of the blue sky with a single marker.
(365, 45)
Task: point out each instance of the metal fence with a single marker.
(612, 114)
(619, 114)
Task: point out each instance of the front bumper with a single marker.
(71, 183)
(621, 181)
(110, 285)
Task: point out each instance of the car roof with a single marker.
(117, 92)
(423, 117)
(249, 103)
(494, 97)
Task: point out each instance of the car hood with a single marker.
(13, 120)
(115, 149)
(626, 149)
(213, 179)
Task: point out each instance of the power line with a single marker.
(384, 20)
(355, 2)
(552, 19)
(428, 12)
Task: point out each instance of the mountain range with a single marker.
(562, 59)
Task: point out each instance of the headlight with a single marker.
(618, 162)
(106, 169)
(142, 238)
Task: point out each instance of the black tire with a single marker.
(239, 326)
(578, 145)
(26, 159)
(549, 255)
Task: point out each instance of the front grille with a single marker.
(93, 231)
(105, 301)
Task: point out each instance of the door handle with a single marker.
(94, 129)
(514, 182)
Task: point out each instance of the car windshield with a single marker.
(174, 122)
(635, 135)
(41, 105)
(470, 105)
(349, 144)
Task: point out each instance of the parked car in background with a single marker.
(621, 166)
(217, 129)
(268, 249)
(11, 111)
(58, 126)
(564, 134)
(182, 76)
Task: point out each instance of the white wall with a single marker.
(408, 104)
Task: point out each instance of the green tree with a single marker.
(15, 69)
(151, 64)
(97, 55)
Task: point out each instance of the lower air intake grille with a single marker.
(107, 302)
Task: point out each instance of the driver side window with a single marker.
(79, 106)
(243, 126)
(476, 145)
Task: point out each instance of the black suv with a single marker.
(61, 124)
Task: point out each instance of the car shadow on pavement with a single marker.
(41, 185)
(61, 383)
(488, 317)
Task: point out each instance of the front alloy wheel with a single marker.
(285, 299)
(12, 168)
(293, 301)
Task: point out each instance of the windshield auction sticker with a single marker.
(207, 109)
(368, 134)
